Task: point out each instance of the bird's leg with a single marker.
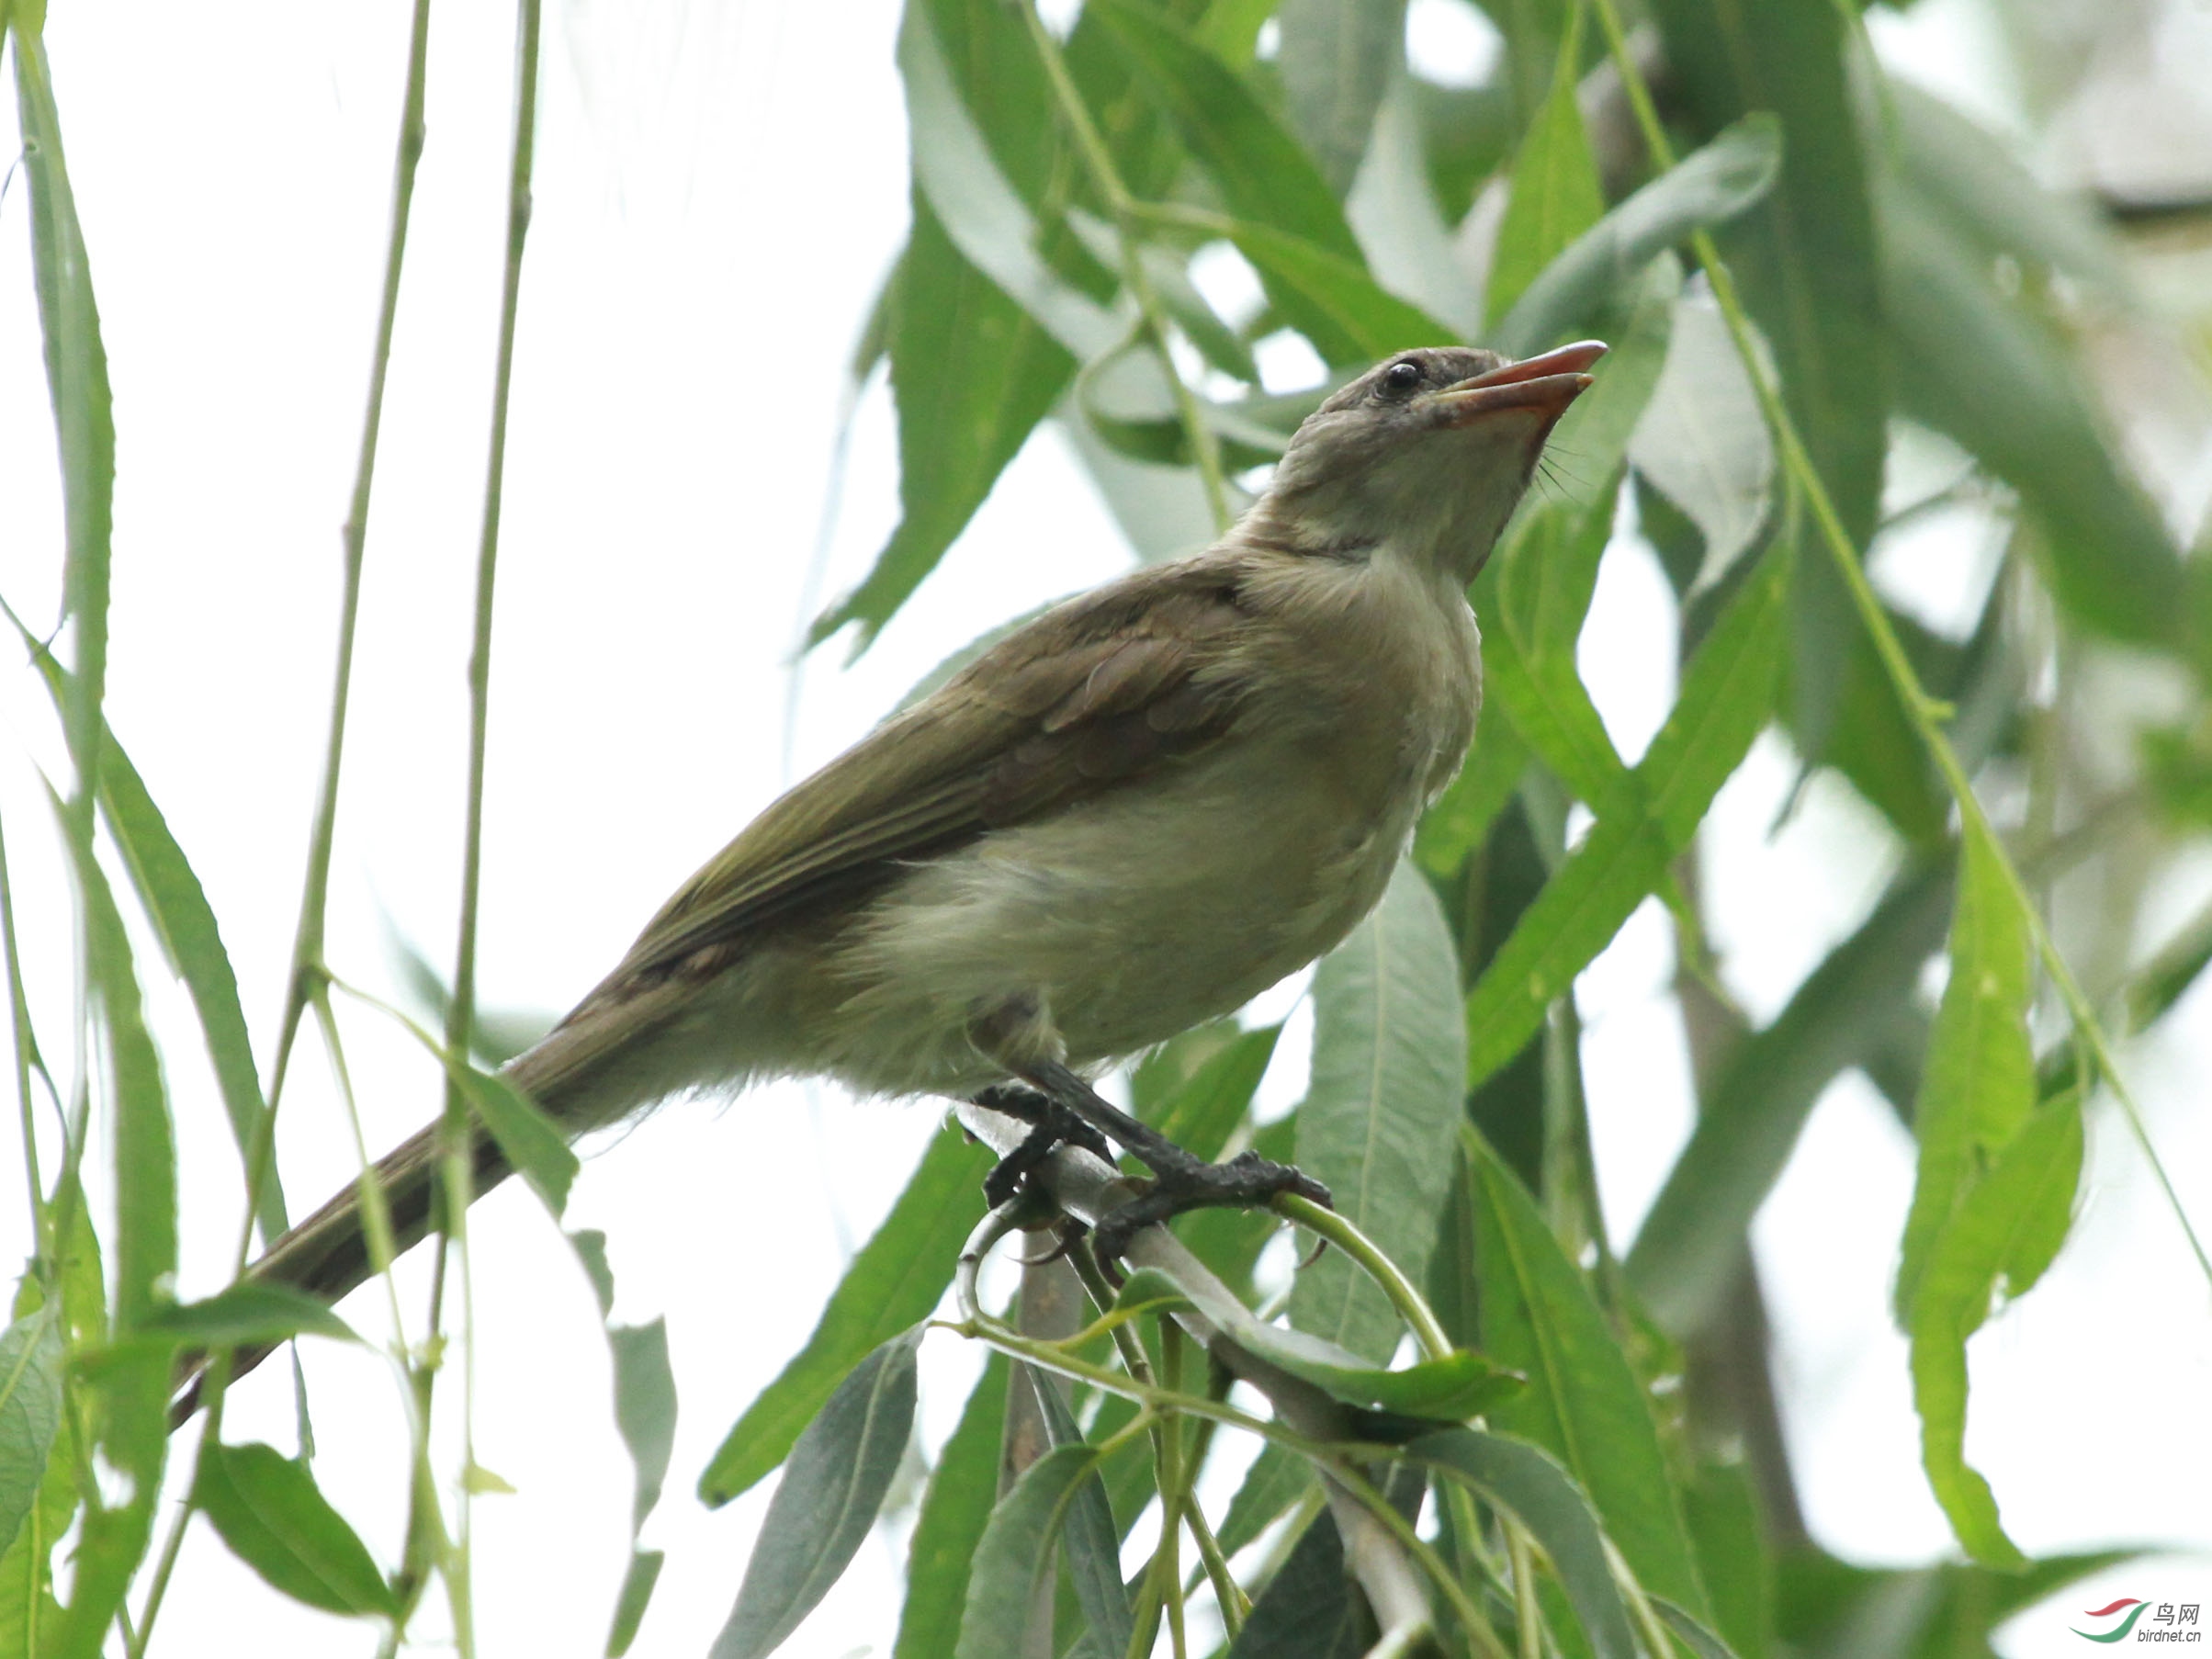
(1050, 1124)
(1018, 1033)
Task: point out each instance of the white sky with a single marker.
(719, 190)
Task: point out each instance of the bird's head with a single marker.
(1428, 452)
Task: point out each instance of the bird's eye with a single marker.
(1401, 378)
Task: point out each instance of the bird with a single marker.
(1130, 816)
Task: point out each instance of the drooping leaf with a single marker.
(1392, 207)
(1203, 1113)
(644, 1415)
(1978, 1087)
(832, 1486)
(955, 1511)
(1707, 187)
(1350, 319)
(1525, 1479)
(1337, 59)
(276, 1519)
(1378, 1121)
(1999, 1241)
(530, 1140)
(76, 381)
(1583, 1403)
(895, 1280)
(1555, 196)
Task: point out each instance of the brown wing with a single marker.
(1104, 689)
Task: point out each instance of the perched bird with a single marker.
(1130, 816)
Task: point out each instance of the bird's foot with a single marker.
(1051, 1123)
(1246, 1181)
(1181, 1181)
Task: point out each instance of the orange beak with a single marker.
(1547, 384)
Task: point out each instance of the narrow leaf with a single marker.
(1707, 187)
(1349, 317)
(1726, 695)
(31, 1414)
(1092, 1541)
(955, 1511)
(1016, 1551)
(1703, 442)
(895, 1280)
(1308, 1611)
(276, 1519)
(247, 1315)
(533, 1144)
(1524, 1479)
(1379, 1118)
(1277, 1479)
(834, 1484)
(1557, 196)
(1337, 59)
(1584, 1401)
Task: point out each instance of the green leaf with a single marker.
(638, 1584)
(1379, 1118)
(1264, 175)
(645, 1408)
(896, 1280)
(1555, 196)
(1337, 59)
(972, 375)
(1749, 1121)
(31, 1414)
(979, 209)
(533, 1144)
(1707, 187)
(1015, 1551)
(185, 922)
(1584, 1401)
(1726, 693)
(1307, 1610)
(955, 1511)
(76, 379)
(1980, 367)
(1979, 1085)
(1349, 317)
(29, 1615)
(1703, 440)
(1092, 1541)
(276, 1519)
(1701, 1641)
(835, 1483)
(1999, 1241)
(1409, 240)
(247, 1315)
(1277, 1479)
(1515, 1476)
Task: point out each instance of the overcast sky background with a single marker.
(720, 188)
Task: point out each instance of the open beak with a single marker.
(1546, 384)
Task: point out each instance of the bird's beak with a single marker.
(1546, 384)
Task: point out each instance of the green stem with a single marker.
(306, 969)
(1340, 1231)
(1528, 1617)
(1126, 212)
(1925, 712)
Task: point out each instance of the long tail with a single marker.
(589, 1072)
